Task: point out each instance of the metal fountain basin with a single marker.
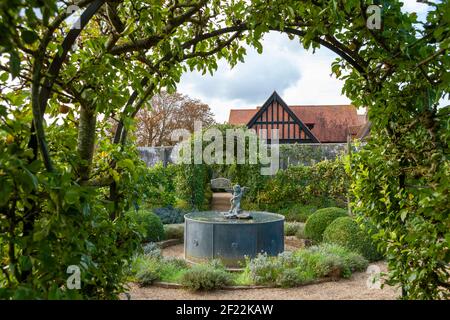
(209, 235)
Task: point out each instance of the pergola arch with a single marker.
(404, 159)
(120, 134)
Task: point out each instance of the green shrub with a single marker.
(291, 228)
(330, 260)
(152, 250)
(323, 184)
(346, 232)
(170, 215)
(147, 269)
(149, 223)
(206, 277)
(172, 269)
(289, 278)
(182, 205)
(353, 260)
(250, 205)
(300, 234)
(146, 277)
(263, 269)
(298, 212)
(304, 265)
(192, 185)
(302, 212)
(160, 185)
(177, 262)
(319, 221)
(174, 231)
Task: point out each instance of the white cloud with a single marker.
(300, 77)
(316, 86)
(414, 6)
(418, 7)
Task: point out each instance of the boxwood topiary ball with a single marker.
(319, 221)
(346, 232)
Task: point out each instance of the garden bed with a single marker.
(298, 266)
(354, 288)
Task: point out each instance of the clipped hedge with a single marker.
(149, 223)
(346, 232)
(320, 220)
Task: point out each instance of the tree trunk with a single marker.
(86, 141)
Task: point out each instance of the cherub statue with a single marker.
(235, 209)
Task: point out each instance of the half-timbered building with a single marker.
(302, 123)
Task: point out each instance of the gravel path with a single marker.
(290, 244)
(355, 288)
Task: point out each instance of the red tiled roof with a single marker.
(241, 116)
(332, 123)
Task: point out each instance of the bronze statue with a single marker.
(235, 211)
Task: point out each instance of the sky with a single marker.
(299, 76)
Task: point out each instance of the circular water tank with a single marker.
(208, 235)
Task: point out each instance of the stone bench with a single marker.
(221, 184)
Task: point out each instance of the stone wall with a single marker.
(308, 154)
(153, 155)
(290, 154)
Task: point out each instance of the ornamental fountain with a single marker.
(233, 235)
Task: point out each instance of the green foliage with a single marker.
(309, 155)
(302, 266)
(399, 180)
(192, 185)
(289, 278)
(412, 221)
(205, 277)
(291, 228)
(49, 222)
(148, 269)
(300, 188)
(298, 212)
(320, 220)
(346, 232)
(159, 184)
(174, 231)
(300, 234)
(263, 269)
(170, 215)
(150, 224)
(344, 260)
(193, 179)
(152, 250)
(146, 277)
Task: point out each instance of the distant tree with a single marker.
(167, 112)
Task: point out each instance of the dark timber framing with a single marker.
(300, 132)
